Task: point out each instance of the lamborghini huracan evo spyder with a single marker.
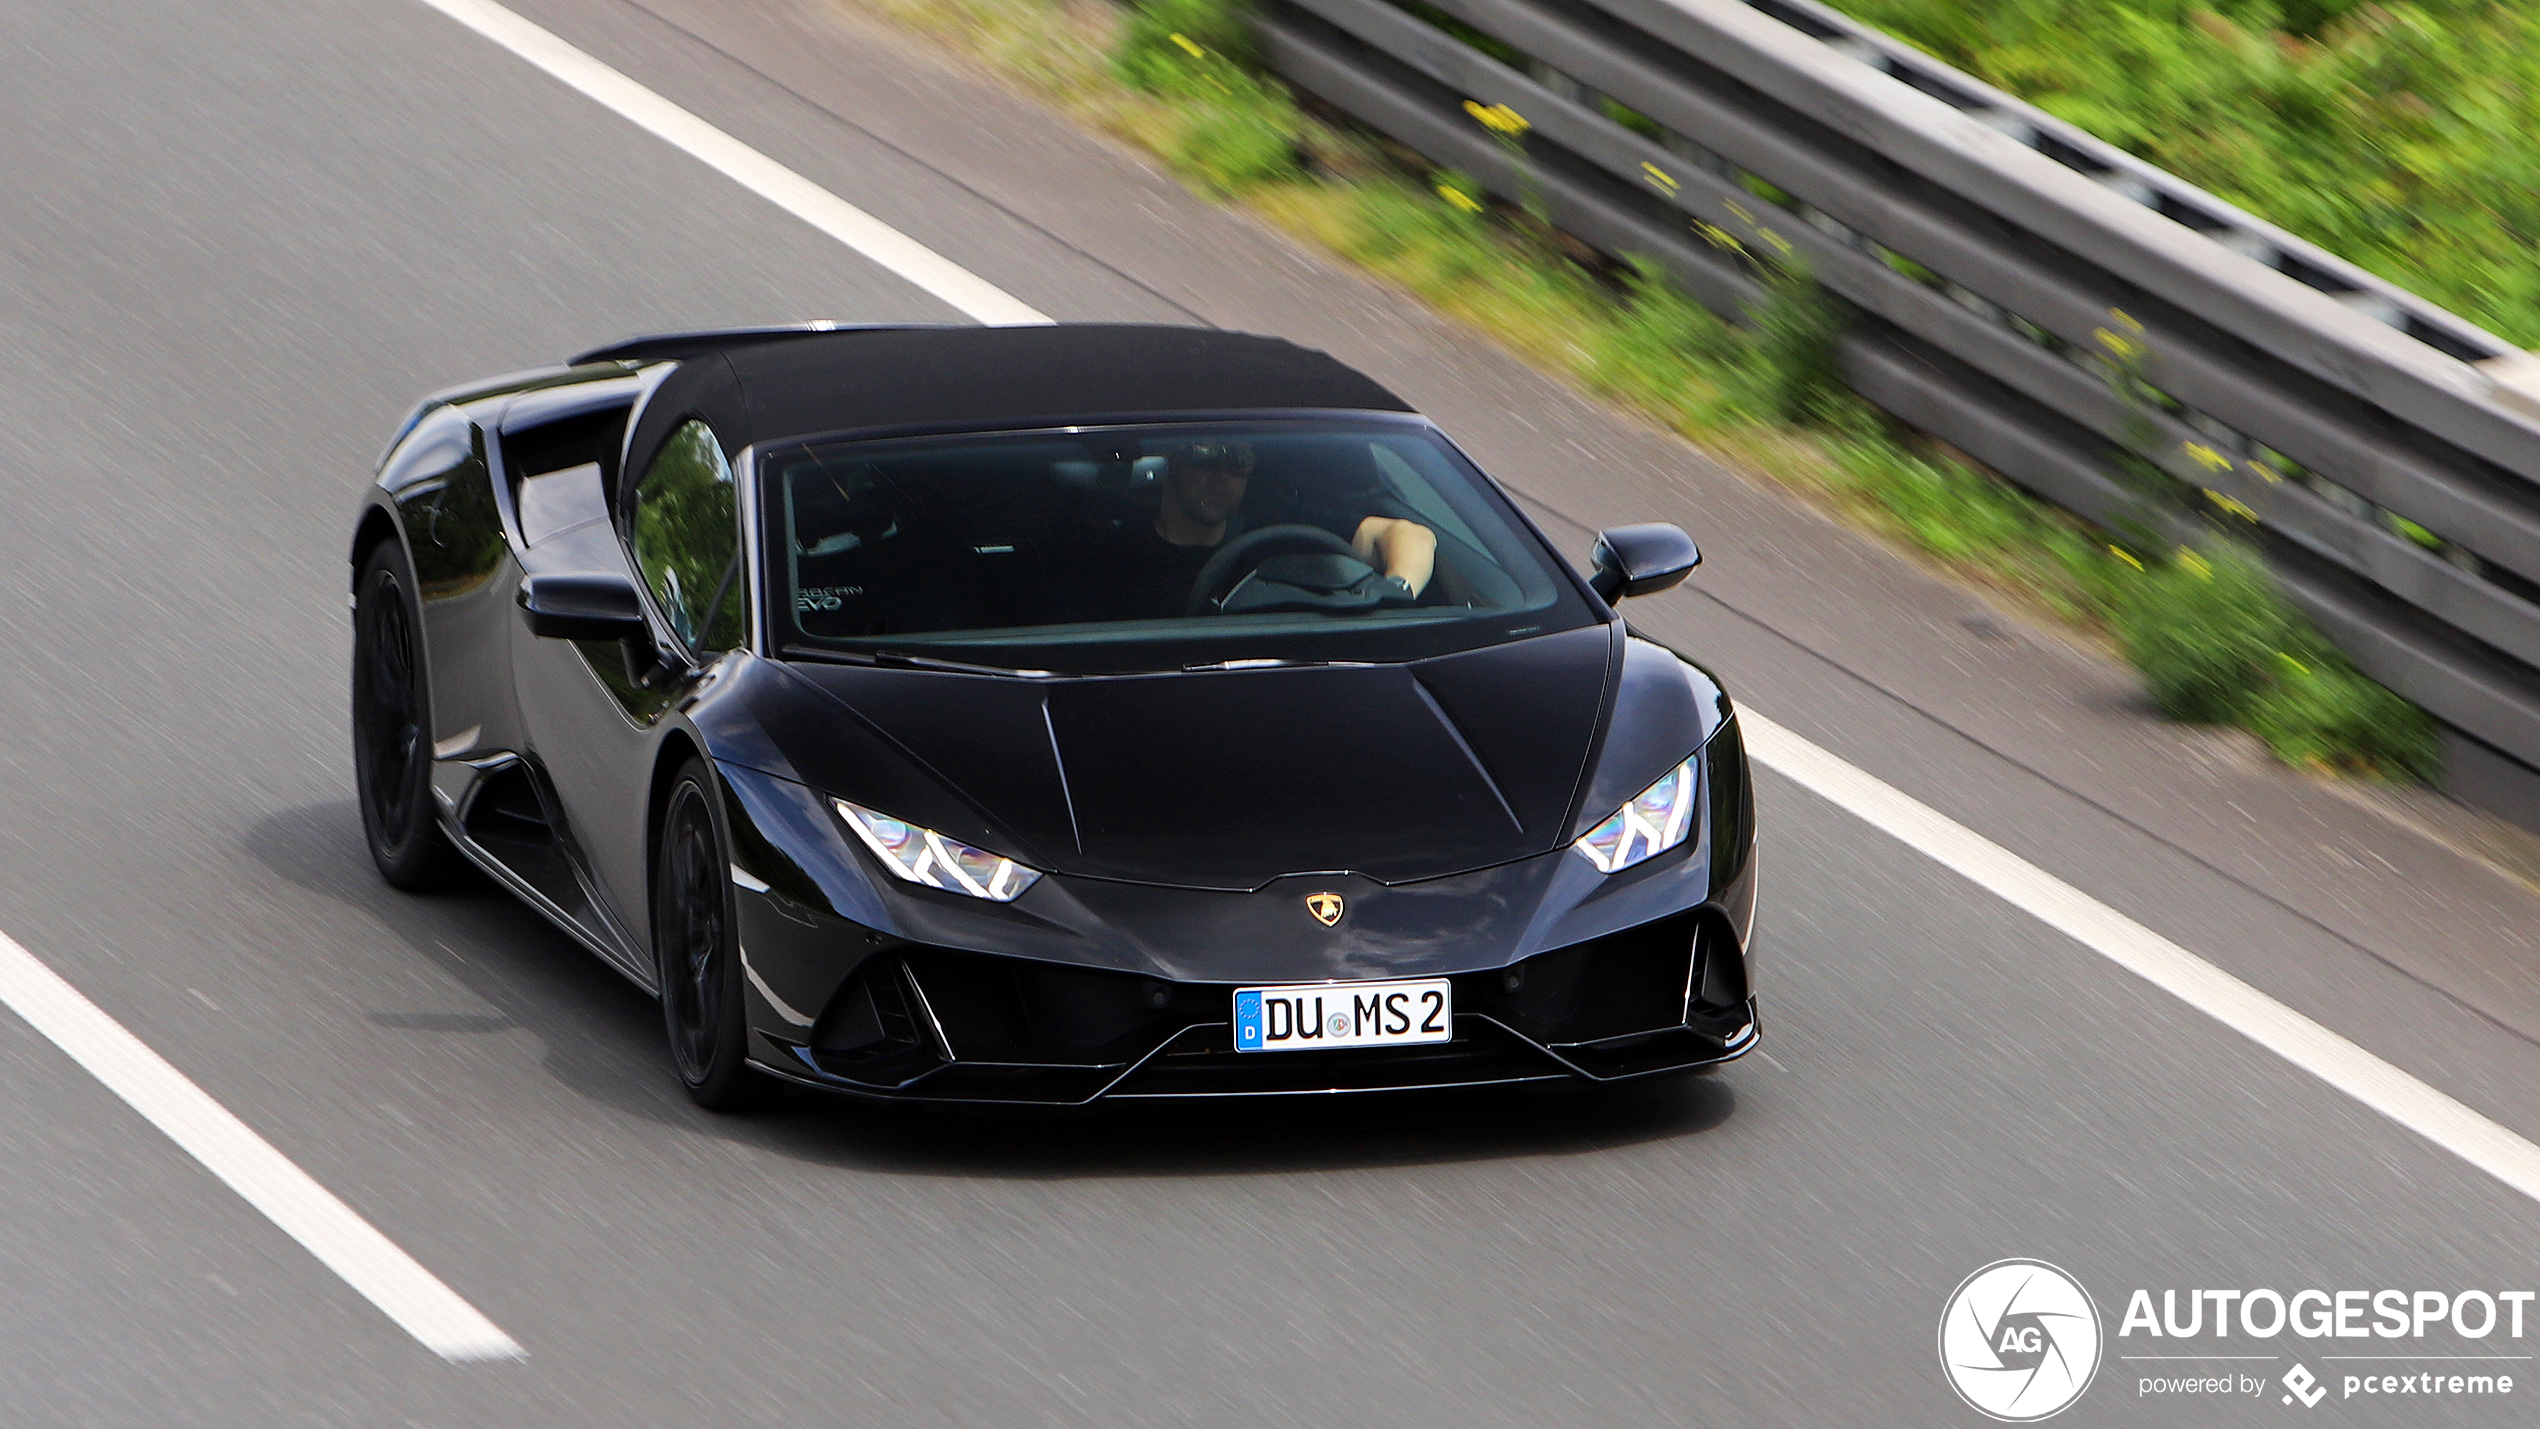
(1044, 714)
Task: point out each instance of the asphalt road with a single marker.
(237, 241)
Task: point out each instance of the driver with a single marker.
(1203, 492)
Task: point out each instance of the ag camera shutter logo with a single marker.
(2019, 1340)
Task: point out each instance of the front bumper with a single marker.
(1100, 989)
(928, 1024)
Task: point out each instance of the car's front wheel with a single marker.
(392, 729)
(699, 954)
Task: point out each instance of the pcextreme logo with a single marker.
(2019, 1340)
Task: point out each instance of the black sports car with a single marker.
(1045, 714)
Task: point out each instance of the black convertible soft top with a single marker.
(765, 387)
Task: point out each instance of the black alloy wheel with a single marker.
(698, 951)
(392, 731)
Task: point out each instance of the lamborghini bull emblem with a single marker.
(1326, 907)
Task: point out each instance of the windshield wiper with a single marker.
(902, 660)
(964, 667)
(1271, 665)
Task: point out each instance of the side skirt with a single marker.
(602, 940)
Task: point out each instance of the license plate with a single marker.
(1317, 1016)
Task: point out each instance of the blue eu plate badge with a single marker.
(1247, 1022)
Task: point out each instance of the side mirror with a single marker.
(1641, 560)
(584, 606)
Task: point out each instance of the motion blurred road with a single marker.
(237, 241)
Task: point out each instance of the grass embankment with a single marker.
(2405, 138)
(2214, 638)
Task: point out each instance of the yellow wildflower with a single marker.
(2206, 456)
(2237, 508)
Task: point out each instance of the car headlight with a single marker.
(1656, 820)
(927, 857)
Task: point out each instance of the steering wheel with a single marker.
(1239, 556)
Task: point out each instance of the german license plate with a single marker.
(1317, 1016)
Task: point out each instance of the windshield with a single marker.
(1151, 547)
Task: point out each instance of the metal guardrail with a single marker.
(2388, 451)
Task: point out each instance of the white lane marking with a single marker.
(886, 247)
(2306, 1044)
(306, 1211)
(2324, 1054)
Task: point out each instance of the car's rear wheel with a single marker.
(699, 953)
(392, 729)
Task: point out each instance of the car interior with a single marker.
(1010, 532)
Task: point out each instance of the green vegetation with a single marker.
(1161, 40)
(1237, 131)
(2403, 137)
(2216, 643)
(1766, 394)
(2202, 630)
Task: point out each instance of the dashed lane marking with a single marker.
(268, 1180)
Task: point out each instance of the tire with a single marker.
(696, 948)
(392, 730)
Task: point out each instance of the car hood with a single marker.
(1233, 778)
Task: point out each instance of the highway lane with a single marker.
(234, 248)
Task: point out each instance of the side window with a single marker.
(686, 534)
